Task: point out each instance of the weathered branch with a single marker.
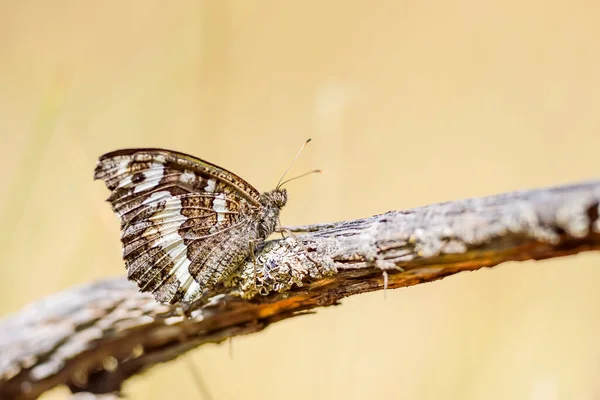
(93, 337)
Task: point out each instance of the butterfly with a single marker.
(186, 224)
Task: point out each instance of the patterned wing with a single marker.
(174, 209)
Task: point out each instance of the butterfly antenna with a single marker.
(292, 163)
(315, 171)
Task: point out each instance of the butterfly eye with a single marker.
(280, 197)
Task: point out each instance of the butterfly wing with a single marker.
(174, 210)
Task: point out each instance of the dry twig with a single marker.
(93, 337)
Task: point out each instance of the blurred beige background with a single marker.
(408, 102)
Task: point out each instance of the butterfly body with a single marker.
(186, 224)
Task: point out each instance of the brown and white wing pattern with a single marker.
(178, 214)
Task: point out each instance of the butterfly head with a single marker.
(271, 203)
(274, 199)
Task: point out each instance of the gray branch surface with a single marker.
(94, 336)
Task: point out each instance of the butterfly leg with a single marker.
(282, 229)
(254, 262)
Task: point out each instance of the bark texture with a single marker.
(93, 337)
